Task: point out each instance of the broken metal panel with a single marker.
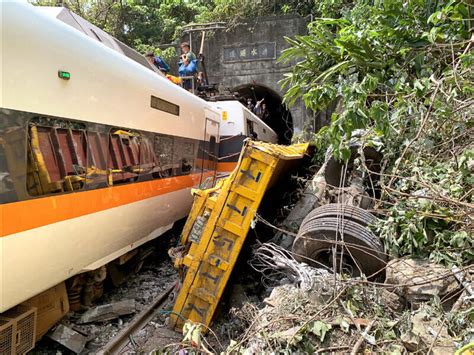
(97, 143)
(108, 311)
(224, 215)
(40, 181)
(57, 157)
(124, 156)
(69, 338)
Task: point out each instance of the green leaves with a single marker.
(401, 72)
(319, 329)
(343, 323)
(142, 24)
(363, 47)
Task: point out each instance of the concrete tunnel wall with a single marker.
(247, 55)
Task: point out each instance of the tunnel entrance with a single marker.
(278, 116)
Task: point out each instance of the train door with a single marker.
(210, 152)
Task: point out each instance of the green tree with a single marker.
(237, 11)
(142, 24)
(402, 71)
(145, 24)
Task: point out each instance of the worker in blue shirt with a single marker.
(157, 62)
(188, 65)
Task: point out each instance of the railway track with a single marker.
(149, 288)
(124, 337)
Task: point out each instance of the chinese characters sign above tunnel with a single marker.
(250, 52)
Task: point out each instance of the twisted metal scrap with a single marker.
(272, 260)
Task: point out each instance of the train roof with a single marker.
(74, 20)
(236, 107)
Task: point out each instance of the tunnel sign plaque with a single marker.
(250, 52)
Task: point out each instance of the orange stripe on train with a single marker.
(21, 216)
(226, 166)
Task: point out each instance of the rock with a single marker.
(420, 280)
(68, 338)
(237, 296)
(432, 329)
(390, 300)
(108, 311)
(411, 342)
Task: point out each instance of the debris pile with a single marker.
(334, 286)
(388, 219)
(333, 313)
(89, 330)
(420, 281)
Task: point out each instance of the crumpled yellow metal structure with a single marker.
(218, 225)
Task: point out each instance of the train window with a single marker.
(148, 161)
(97, 172)
(10, 174)
(124, 153)
(212, 153)
(57, 156)
(250, 129)
(185, 152)
(163, 147)
(164, 105)
(13, 164)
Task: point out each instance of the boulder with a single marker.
(419, 281)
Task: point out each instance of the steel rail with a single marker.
(117, 343)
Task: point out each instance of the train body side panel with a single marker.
(107, 89)
(37, 259)
(237, 124)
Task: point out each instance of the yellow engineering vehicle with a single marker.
(218, 225)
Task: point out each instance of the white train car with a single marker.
(238, 123)
(97, 152)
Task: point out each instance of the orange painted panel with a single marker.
(20, 216)
(226, 166)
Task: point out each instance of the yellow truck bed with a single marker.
(218, 225)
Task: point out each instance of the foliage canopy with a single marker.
(147, 24)
(401, 72)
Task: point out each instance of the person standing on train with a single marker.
(258, 108)
(186, 52)
(158, 62)
(188, 65)
(250, 104)
(265, 113)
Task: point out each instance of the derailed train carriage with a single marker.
(97, 156)
(238, 123)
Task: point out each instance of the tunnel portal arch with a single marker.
(279, 117)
